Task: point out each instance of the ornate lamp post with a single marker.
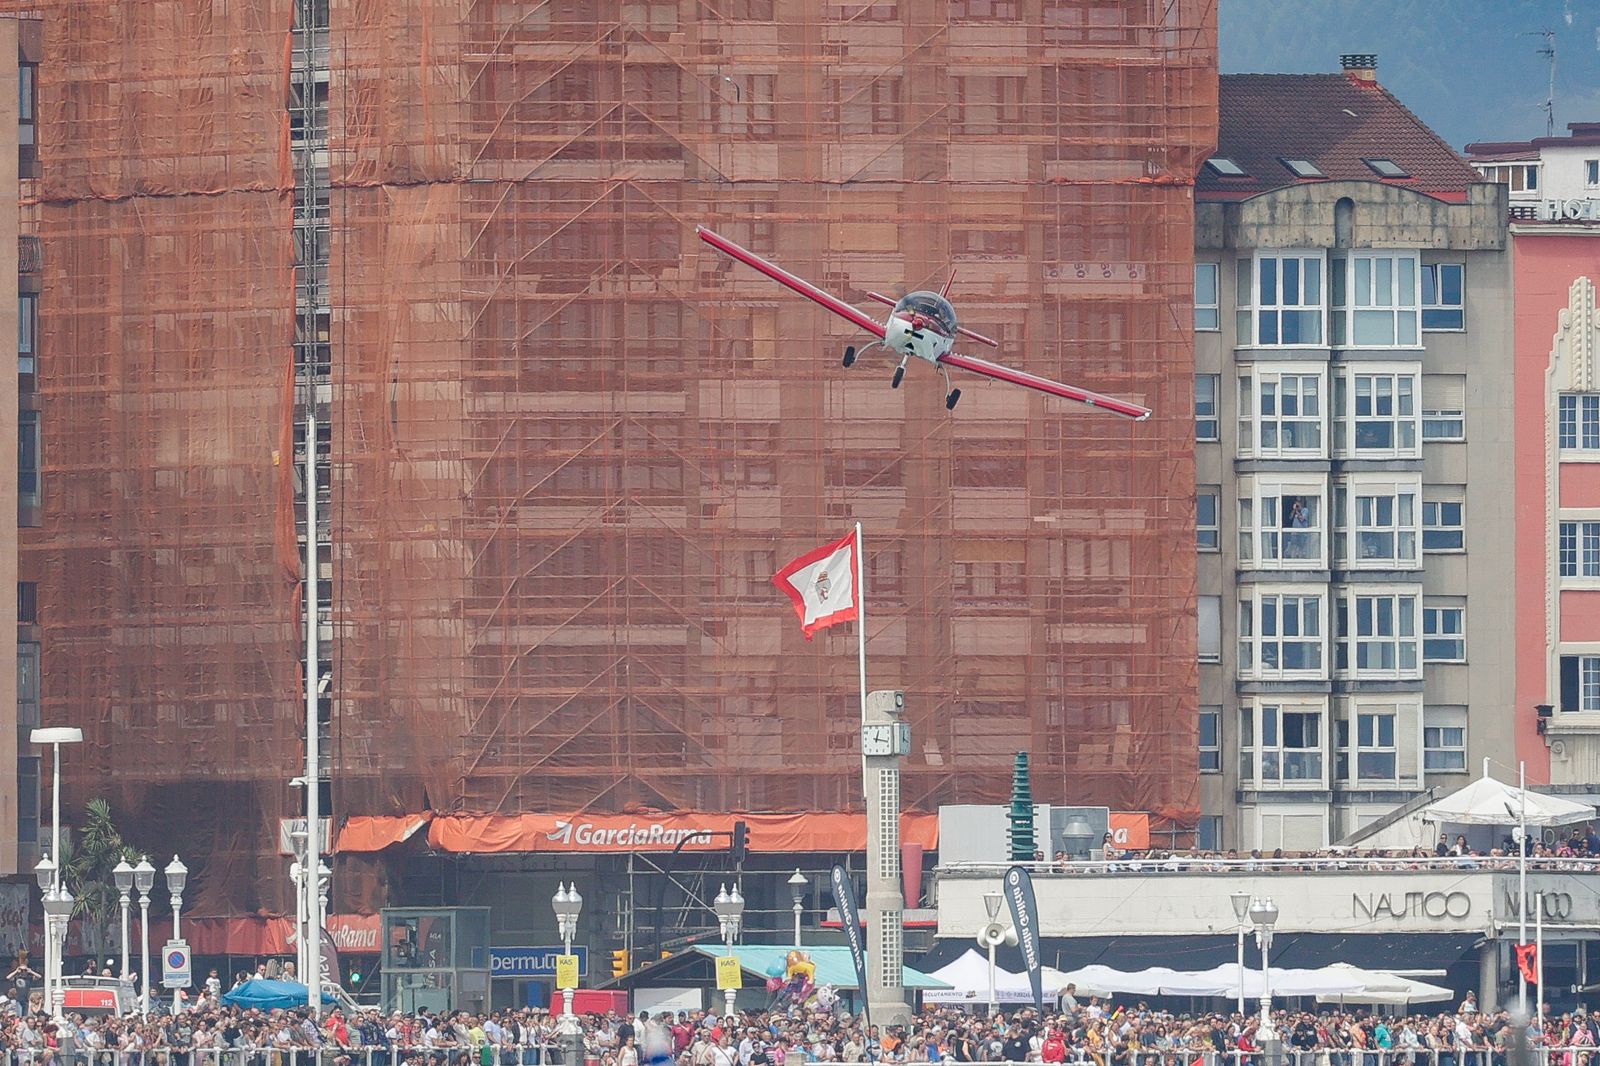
(797, 891)
(144, 880)
(122, 874)
(1241, 911)
(45, 872)
(729, 907)
(177, 877)
(1264, 915)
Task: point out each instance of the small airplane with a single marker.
(923, 325)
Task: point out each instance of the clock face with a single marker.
(877, 740)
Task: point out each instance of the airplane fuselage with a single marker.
(904, 338)
(922, 324)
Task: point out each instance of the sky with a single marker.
(1471, 69)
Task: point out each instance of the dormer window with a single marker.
(1386, 168)
(1302, 168)
(1226, 167)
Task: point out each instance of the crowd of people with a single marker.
(1092, 1033)
(1579, 851)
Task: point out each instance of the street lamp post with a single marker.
(797, 892)
(568, 904)
(177, 876)
(991, 904)
(122, 874)
(144, 880)
(1264, 915)
(45, 872)
(58, 904)
(55, 736)
(324, 888)
(729, 907)
(1241, 911)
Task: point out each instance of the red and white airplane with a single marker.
(924, 325)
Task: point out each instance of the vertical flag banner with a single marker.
(1528, 961)
(822, 585)
(844, 897)
(1025, 918)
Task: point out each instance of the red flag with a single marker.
(1528, 962)
(822, 585)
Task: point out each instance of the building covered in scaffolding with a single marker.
(567, 446)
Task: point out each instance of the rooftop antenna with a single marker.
(1549, 53)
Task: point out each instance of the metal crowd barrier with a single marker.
(502, 1055)
(1546, 1056)
(550, 1055)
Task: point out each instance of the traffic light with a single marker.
(620, 962)
(741, 839)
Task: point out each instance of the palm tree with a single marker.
(88, 866)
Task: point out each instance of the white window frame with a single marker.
(1310, 298)
(1264, 387)
(1381, 288)
(1214, 527)
(1357, 527)
(1202, 604)
(1436, 271)
(1265, 612)
(1588, 681)
(1578, 424)
(1438, 725)
(1265, 541)
(1436, 509)
(1375, 386)
(1214, 385)
(1211, 754)
(1448, 424)
(1591, 173)
(1437, 614)
(1377, 632)
(1208, 315)
(1578, 551)
(1265, 762)
(1372, 743)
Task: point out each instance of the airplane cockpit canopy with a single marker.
(931, 306)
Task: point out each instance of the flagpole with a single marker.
(861, 625)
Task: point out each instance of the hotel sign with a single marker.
(1573, 210)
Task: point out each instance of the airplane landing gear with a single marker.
(951, 400)
(849, 354)
(899, 375)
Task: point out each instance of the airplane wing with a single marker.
(1045, 385)
(798, 284)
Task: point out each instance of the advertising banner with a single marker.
(1025, 919)
(844, 897)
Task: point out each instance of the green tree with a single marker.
(89, 861)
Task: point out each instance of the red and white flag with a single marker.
(822, 585)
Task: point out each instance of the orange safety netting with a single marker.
(570, 446)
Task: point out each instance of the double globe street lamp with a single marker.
(729, 908)
(1264, 915)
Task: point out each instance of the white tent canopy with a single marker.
(968, 978)
(1380, 987)
(1490, 802)
(1339, 982)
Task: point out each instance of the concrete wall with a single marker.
(1331, 901)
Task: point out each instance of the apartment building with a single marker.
(1554, 200)
(1352, 317)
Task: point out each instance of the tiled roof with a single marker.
(1334, 120)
